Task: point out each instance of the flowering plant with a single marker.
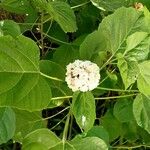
(82, 75)
(74, 75)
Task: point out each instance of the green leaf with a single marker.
(87, 50)
(63, 15)
(27, 122)
(61, 146)
(144, 135)
(58, 89)
(9, 27)
(135, 39)
(147, 18)
(117, 27)
(16, 6)
(7, 124)
(123, 110)
(52, 69)
(89, 143)
(141, 111)
(137, 46)
(144, 78)
(83, 108)
(100, 132)
(109, 5)
(56, 32)
(40, 4)
(128, 69)
(35, 146)
(41, 136)
(112, 125)
(21, 84)
(130, 131)
(66, 54)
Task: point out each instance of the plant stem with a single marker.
(58, 123)
(107, 76)
(65, 132)
(49, 77)
(80, 5)
(99, 98)
(130, 147)
(42, 36)
(55, 114)
(117, 90)
(70, 128)
(63, 97)
(56, 39)
(115, 97)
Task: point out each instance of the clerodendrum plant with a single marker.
(96, 66)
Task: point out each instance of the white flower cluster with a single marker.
(82, 75)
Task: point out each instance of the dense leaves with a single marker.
(38, 110)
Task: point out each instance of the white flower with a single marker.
(82, 75)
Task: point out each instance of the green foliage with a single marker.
(89, 143)
(41, 136)
(17, 6)
(7, 118)
(110, 5)
(141, 111)
(27, 122)
(144, 80)
(87, 50)
(9, 27)
(117, 27)
(38, 39)
(20, 79)
(100, 132)
(112, 125)
(123, 110)
(63, 15)
(83, 109)
(128, 70)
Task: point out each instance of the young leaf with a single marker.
(41, 136)
(63, 15)
(7, 124)
(89, 143)
(83, 108)
(144, 78)
(141, 111)
(21, 84)
(9, 27)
